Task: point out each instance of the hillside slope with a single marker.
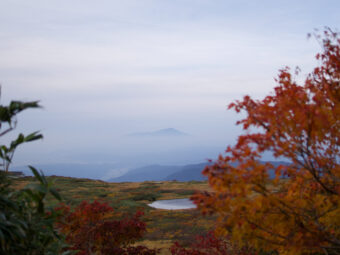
(147, 173)
(189, 173)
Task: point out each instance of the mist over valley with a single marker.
(139, 156)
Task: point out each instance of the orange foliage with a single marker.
(297, 212)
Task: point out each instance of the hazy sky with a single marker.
(103, 69)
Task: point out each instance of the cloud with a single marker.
(117, 65)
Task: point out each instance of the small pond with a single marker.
(173, 204)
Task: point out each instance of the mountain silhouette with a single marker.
(161, 132)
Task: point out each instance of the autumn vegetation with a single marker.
(250, 207)
(297, 212)
(93, 228)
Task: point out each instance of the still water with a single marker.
(173, 204)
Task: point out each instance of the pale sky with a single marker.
(103, 69)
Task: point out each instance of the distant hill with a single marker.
(188, 173)
(147, 173)
(161, 132)
(92, 171)
(194, 172)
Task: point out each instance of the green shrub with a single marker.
(26, 225)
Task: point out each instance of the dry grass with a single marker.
(163, 226)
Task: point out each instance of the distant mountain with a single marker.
(194, 172)
(161, 132)
(189, 173)
(147, 173)
(92, 171)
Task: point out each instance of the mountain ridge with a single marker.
(147, 173)
(160, 132)
(183, 173)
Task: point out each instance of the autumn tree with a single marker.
(95, 228)
(297, 211)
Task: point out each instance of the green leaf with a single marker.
(37, 175)
(18, 106)
(4, 114)
(34, 136)
(55, 193)
(20, 139)
(4, 149)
